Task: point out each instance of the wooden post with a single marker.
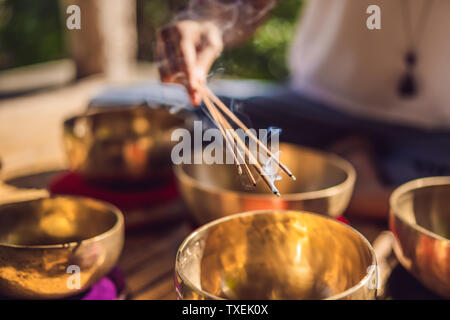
(107, 41)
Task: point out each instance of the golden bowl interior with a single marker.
(324, 185)
(420, 222)
(275, 255)
(122, 144)
(425, 205)
(314, 171)
(53, 221)
(40, 239)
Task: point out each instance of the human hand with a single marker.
(186, 51)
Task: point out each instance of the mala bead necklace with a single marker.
(408, 86)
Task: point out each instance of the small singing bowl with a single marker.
(52, 248)
(122, 145)
(275, 255)
(420, 221)
(324, 185)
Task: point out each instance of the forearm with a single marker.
(237, 19)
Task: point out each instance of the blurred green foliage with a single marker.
(32, 31)
(265, 55)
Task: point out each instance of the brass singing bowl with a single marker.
(275, 255)
(44, 241)
(122, 145)
(420, 221)
(324, 185)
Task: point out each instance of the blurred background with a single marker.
(34, 32)
(48, 72)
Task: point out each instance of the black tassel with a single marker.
(408, 86)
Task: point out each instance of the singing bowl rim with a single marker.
(68, 122)
(411, 186)
(336, 160)
(204, 227)
(117, 227)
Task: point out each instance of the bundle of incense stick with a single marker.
(232, 140)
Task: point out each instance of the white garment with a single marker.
(337, 59)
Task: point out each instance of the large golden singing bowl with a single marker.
(275, 255)
(420, 222)
(122, 145)
(43, 243)
(324, 185)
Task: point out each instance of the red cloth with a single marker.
(70, 183)
(343, 219)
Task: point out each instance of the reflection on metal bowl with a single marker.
(41, 239)
(275, 255)
(420, 221)
(121, 145)
(324, 185)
